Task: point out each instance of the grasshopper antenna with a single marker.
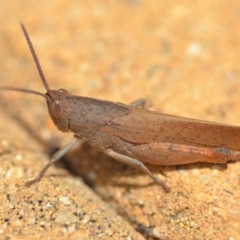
(38, 68)
(34, 55)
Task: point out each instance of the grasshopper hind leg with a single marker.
(137, 164)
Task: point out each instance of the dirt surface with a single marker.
(183, 56)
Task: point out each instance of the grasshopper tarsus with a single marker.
(31, 182)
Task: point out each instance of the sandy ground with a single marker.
(183, 56)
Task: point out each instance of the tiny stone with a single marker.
(71, 229)
(109, 231)
(31, 221)
(65, 217)
(11, 206)
(65, 200)
(155, 233)
(42, 223)
(86, 219)
(18, 157)
(191, 224)
(181, 224)
(140, 202)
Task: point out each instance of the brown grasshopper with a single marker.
(134, 135)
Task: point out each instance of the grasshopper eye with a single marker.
(57, 109)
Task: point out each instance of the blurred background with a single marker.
(183, 56)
